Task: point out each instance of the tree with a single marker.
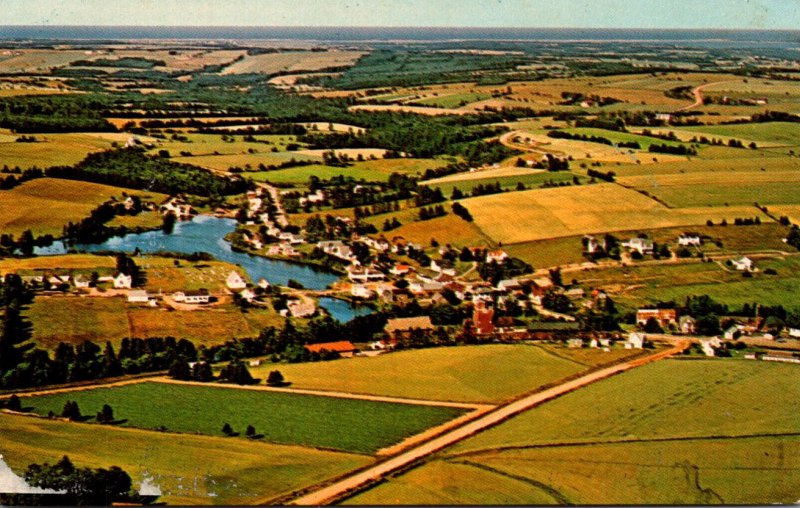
(180, 370)
(12, 403)
(168, 223)
(250, 432)
(201, 371)
(236, 372)
(227, 429)
(15, 330)
(275, 378)
(71, 411)
(106, 415)
(652, 326)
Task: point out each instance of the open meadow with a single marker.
(293, 61)
(241, 472)
(45, 205)
(55, 149)
(450, 374)
(628, 448)
(283, 418)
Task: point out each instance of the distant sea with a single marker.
(367, 34)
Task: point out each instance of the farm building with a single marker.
(301, 309)
(732, 333)
(688, 239)
(641, 245)
(235, 281)
(192, 297)
(400, 269)
(122, 281)
(361, 291)
(664, 317)
(635, 341)
(345, 348)
(400, 329)
(138, 296)
(482, 318)
(81, 282)
(745, 264)
(687, 325)
(496, 256)
(366, 274)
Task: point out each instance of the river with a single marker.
(207, 234)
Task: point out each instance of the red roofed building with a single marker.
(345, 348)
(665, 317)
(482, 318)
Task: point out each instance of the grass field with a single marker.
(75, 319)
(55, 149)
(782, 133)
(454, 100)
(456, 374)
(241, 472)
(344, 424)
(721, 189)
(568, 211)
(293, 61)
(69, 262)
(44, 205)
(448, 229)
(531, 179)
(693, 403)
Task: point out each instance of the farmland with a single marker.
(666, 463)
(177, 463)
(282, 418)
(54, 149)
(293, 61)
(456, 374)
(45, 205)
(567, 211)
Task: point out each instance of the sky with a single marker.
(752, 14)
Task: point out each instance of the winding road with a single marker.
(341, 488)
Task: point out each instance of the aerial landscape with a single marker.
(468, 253)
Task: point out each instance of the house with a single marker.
(575, 293)
(420, 287)
(687, 325)
(361, 291)
(400, 329)
(317, 197)
(664, 317)
(744, 264)
(443, 266)
(122, 281)
(708, 345)
(592, 245)
(496, 256)
(509, 285)
(57, 280)
(192, 297)
(537, 293)
(690, 239)
(635, 341)
(247, 294)
(345, 348)
(138, 296)
(794, 332)
(641, 245)
(482, 318)
(363, 275)
(298, 308)
(181, 209)
(574, 343)
(508, 327)
(664, 117)
(263, 283)
(732, 333)
(81, 282)
(235, 281)
(400, 269)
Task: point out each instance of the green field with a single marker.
(189, 469)
(54, 149)
(773, 132)
(323, 422)
(454, 100)
(672, 418)
(506, 182)
(456, 374)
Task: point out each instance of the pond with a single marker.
(207, 234)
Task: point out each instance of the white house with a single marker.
(363, 275)
(122, 281)
(708, 345)
(732, 333)
(81, 281)
(301, 309)
(640, 245)
(137, 296)
(361, 291)
(496, 256)
(635, 341)
(744, 264)
(509, 285)
(690, 239)
(263, 283)
(235, 281)
(247, 294)
(794, 332)
(192, 297)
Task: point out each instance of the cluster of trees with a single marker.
(603, 121)
(461, 211)
(608, 176)
(485, 189)
(11, 181)
(427, 213)
(672, 149)
(74, 486)
(506, 269)
(571, 98)
(552, 163)
(55, 113)
(559, 134)
(132, 168)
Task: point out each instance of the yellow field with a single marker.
(45, 205)
(484, 174)
(67, 263)
(242, 471)
(587, 150)
(550, 213)
(33, 60)
(448, 229)
(55, 149)
(293, 61)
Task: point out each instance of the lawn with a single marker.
(359, 426)
(568, 211)
(672, 415)
(488, 373)
(45, 205)
(241, 472)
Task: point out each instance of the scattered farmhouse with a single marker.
(200, 296)
(744, 264)
(664, 317)
(641, 245)
(235, 281)
(122, 281)
(300, 309)
(400, 329)
(635, 341)
(690, 239)
(345, 348)
(138, 296)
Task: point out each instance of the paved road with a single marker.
(334, 491)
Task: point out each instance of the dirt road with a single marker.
(336, 490)
(698, 96)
